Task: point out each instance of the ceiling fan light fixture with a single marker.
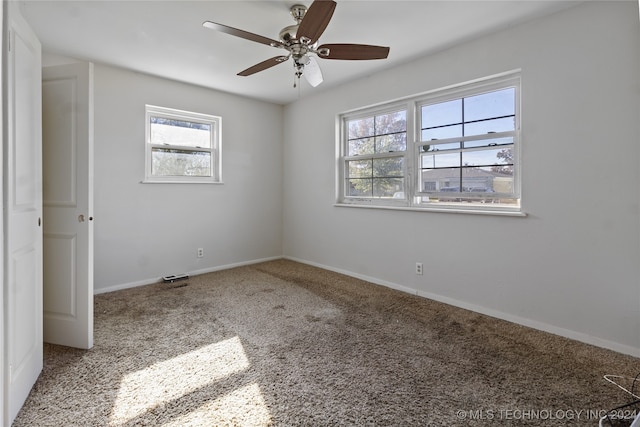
(302, 60)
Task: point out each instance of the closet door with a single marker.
(23, 214)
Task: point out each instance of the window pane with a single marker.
(359, 188)
(447, 180)
(496, 156)
(391, 167)
(441, 160)
(486, 179)
(488, 105)
(361, 128)
(362, 146)
(387, 187)
(375, 187)
(391, 123)
(169, 162)
(444, 113)
(389, 132)
(180, 132)
(444, 132)
(505, 157)
(466, 180)
(487, 126)
(360, 169)
(503, 184)
(477, 180)
(391, 143)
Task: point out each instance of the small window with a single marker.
(181, 146)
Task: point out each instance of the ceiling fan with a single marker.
(301, 40)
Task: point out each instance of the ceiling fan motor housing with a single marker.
(288, 33)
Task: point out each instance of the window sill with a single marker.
(182, 182)
(453, 209)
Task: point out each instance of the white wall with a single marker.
(572, 265)
(146, 231)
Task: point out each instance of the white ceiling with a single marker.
(166, 37)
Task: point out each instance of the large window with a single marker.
(455, 148)
(181, 146)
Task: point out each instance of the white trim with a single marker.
(534, 324)
(183, 182)
(145, 282)
(439, 209)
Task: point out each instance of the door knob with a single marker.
(80, 218)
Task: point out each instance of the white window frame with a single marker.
(413, 199)
(343, 147)
(215, 149)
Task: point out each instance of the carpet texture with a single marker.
(282, 343)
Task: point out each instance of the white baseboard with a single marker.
(567, 333)
(190, 273)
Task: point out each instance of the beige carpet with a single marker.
(281, 343)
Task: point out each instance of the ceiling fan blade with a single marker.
(353, 51)
(312, 72)
(242, 34)
(263, 65)
(316, 19)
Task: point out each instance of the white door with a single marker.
(23, 215)
(67, 147)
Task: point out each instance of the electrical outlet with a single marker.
(419, 268)
(200, 252)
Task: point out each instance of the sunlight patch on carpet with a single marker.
(244, 406)
(176, 378)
